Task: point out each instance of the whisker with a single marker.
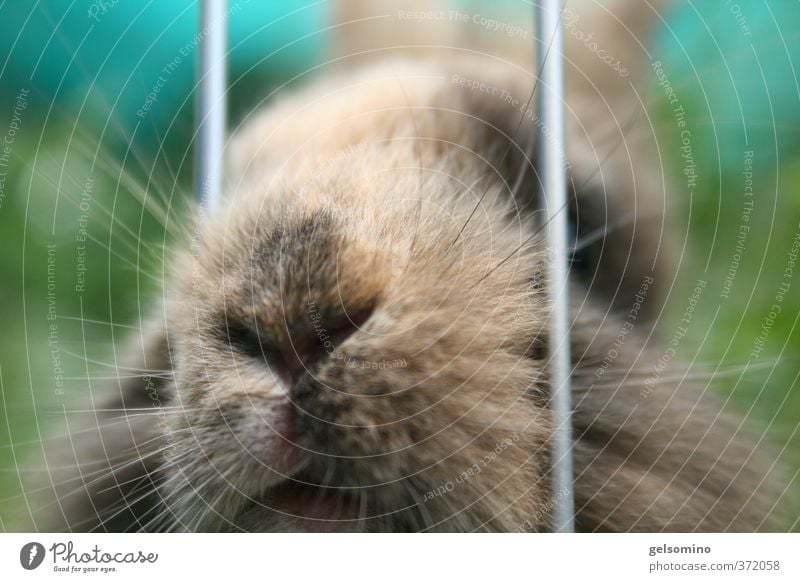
(514, 134)
(526, 242)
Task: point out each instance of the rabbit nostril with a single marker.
(325, 335)
(249, 342)
(244, 340)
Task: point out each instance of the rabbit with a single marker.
(356, 339)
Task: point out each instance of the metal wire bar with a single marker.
(211, 105)
(550, 137)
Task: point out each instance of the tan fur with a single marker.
(349, 197)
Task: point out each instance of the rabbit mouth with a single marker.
(314, 502)
(302, 507)
(295, 506)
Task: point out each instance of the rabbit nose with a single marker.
(303, 347)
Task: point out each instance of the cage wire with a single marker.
(211, 123)
(550, 137)
(211, 102)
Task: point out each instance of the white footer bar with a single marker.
(376, 557)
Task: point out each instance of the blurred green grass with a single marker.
(740, 93)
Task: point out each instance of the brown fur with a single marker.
(344, 212)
